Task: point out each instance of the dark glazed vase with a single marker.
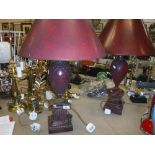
(118, 69)
(59, 76)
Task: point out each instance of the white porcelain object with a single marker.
(5, 54)
(49, 95)
(33, 116)
(35, 127)
(20, 111)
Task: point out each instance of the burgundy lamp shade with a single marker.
(126, 37)
(62, 39)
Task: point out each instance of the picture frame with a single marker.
(152, 32)
(17, 26)
(25, 27)
(8, 26)
(96, 22)
(99, 29)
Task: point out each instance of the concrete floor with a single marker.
(126, 124)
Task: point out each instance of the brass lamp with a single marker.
(61, 40)
(125, 37)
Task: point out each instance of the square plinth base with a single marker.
(55, 126)
(116, 107)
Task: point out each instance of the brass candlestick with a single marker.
(131, 71)
(15, 104)
(149, 72)
(36, 88)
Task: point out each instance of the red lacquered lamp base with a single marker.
(114, 102)
(118, 69)
(60, 121)
(59, 77)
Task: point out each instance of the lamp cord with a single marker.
(20, 122)
(79, 116)
(101, 104)
(76, 112)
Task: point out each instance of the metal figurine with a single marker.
(15, 104)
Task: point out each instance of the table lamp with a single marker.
(61, 40)
(125, 37)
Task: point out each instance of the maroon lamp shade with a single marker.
(62, 39)
(126, 37)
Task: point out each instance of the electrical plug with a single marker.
(90, 127)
